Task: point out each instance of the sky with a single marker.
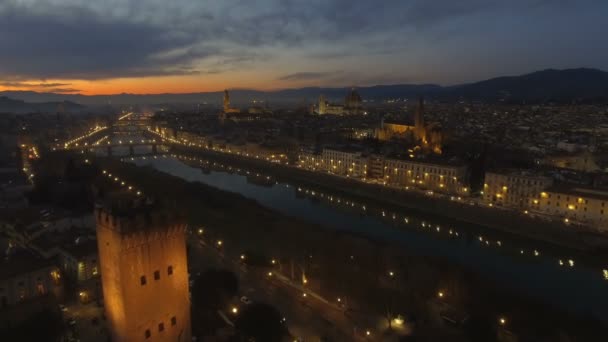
(181, 46)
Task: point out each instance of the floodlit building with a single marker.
(436, 175)
(142, 256)
(339, 161)
(430, 136)
(516, 189)
(227, 108)
(352, 105)
(575, 204)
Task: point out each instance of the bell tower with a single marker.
(226, 101)
(419, 126)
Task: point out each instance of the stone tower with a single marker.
(226, 101)
(322, 104)
(142, 257)
(419, 126)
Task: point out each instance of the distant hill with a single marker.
(8, 105)
(565, 86)
(541, 86)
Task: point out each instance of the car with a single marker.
(246, 300)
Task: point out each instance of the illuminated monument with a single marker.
(227, 108)
(352, 105)
(142, 256)
(429, 136)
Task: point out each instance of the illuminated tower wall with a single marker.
(322, 104)
(226, 101)
(419, 126)
(144, 276)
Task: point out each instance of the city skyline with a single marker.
(185, 46)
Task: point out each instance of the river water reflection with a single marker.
(555, 275)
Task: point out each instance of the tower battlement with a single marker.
(139, 221)
(144, 269)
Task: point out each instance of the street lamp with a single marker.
(440, 294)
(502, 321)
(235, 310)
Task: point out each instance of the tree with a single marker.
(46, 325)
(260, 322)
(213, 289)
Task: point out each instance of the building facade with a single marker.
(428, 136)
(574, 204)
(144, 275)
(352, 105)
(514, 188)
(442, 177)
(343, 162)
(27, 277)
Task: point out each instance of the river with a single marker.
(552, 274)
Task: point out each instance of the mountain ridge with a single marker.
(549, 85)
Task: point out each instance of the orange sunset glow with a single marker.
(148, 85)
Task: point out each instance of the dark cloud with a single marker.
(307, 76)
(16, 84)
(62, 90)
(51, 85)
(66, 39)
(87, 47)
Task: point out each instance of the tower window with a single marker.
(170, 270)
(173, 320)
(147, 333)
(142, 279)
(156, 275)
(161, 327)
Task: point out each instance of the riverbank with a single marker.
(507, 221)
(340, 265)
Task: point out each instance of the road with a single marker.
(307, 318)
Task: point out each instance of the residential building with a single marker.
(588, 206)
(514, 188)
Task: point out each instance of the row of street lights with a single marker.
(498, 243)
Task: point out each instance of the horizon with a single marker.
(295, 88)
(78, 47)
